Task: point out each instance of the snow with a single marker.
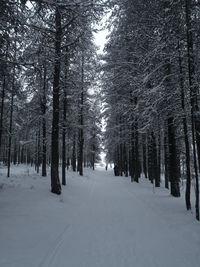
(98, 221)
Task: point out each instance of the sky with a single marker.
(100, 39)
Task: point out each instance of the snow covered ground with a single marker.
(99, 221)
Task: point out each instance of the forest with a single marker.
(62, 102)
(49, 109)
(151, 93)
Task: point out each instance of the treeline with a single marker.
(49, 113)
(151, 90)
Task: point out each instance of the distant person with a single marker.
(116, 170)
(106, 167)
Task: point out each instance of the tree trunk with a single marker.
(93, 155)
(44, 149)
(150, 160)
(155, 165)
(137, 161)
(35, 154)
(74, 153)
(38, 150)
(10, 130)
(68, 161)
(125, 161)
(166, 156)
(120, 157)
(153, 161)
(80, 136)
(187, 145)
(173, 170)
(64, 138)
(132, 162)
(3, 98)
(15, 153)
(159, 160)
(193, 94)
(144, 157)
(55, 182)
(2, 109)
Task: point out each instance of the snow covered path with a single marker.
(99, 221)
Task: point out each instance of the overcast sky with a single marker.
(100, 39)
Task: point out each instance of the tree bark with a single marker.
(166, 156)
(144, 157)
(193, 94)
(187, 145)
(137, 161)
(132, 158)
(150, 160)
(155, 166)
(55, 182)
(80, 136)
(74, 153)
(2, 109)
(38, 150)
(159, 160)
(10, 129)
(64, 138)
(44, 149)
(173, 170)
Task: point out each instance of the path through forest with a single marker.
(99, 221)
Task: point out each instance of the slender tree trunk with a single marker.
(150, 160)
(120, 159)
(80, 138)
(80, 148)
(38, 150)
(35, 154)
(84, 159)
(64, 163)
(155, 162)
(187, 145)
(129, 158)
(28, 156)
(64, 138)
(125, 161)
(132, 163)
(174, 178)
(15, 153)
(159, 160)
(44, 149)
(10, 129)
(19, 154)
(68, 160)
(166, 154)
(173, 169)
(193, 93)
(137, 162)
(2, 109)
(55, 182)
(144, 157)
(93, 156)
(2, 99)
(74, 153)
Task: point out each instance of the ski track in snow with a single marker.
(100, 221)
(53, 251)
